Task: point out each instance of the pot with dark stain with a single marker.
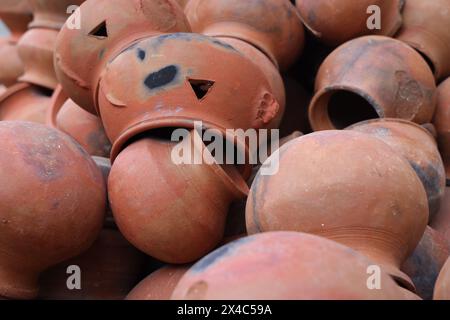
(346, 186)
(53, 204)
(401, 85)
(442, 122)
(442, 288)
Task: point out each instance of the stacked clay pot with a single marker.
(442, 288)
(349, 187)
(442, 122)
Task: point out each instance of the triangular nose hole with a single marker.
(201, 87)
(100, 31)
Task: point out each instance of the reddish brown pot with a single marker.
(335, 21)
(442, 288)
(442, 122)
(272, 26)
(401, 85)
(44, 173)
(109, 269)
(51, 14)
(425, 28)
(349, 187)
(11, 67)
(424, 264)
(419, 147)
(157, 84)
(26, 102)
(84, 127)
(16, 14)
(441, 222)
(174, 213)
(159, 285)
(283, 265)
(107, 28)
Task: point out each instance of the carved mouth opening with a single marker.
(100, 31)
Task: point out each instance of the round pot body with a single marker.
(442, 288)
(442, 123)
(401, 84)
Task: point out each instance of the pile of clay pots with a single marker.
(93, 206)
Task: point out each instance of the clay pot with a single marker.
(107, 28)
(442, 122)
(159, 285)
(272, 26)
(169, 81)
(335, 22)
(419, 147)
(441, 222)
(424, 264)
(16, 15)
(11, 67)
(83, 126)
(283, 265)
(51, 14)
(401, 84)
(173, 212)
(349, 187)
(53, 204)
(26, 102)
(442, 288)
(109, 269)
(182, 3)
(425, 28)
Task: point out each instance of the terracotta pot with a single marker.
(283, 265)
(83, 126)
(272, 26)
(26, 102)
(442, 288)
(335, 22)
(182, 3)
(173, 212)
(424, 264)
(51, 14)
(109, 269)
(419, 147)
(142, 88)
(425, 28)
(401, 84)
(44, 173)
(11, 67)
(159, 285)
(441, 222)
(349, 187)
(442, 122)
(107, 28)
(16, 15)
(104, 165)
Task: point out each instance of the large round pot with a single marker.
(442, 288)
(401, 85)
(442, 122)
(346, 186)
(53, 203)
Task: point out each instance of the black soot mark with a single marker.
(161, 78)
(141, 54)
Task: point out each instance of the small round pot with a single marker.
(349, 187)
(419, 147)
(442, 288)
(159, 285)
(44, 173)
(283, 266)
(442, 123)
(26, 102)
(84, 127)
(11, 67)
(108, 27)
(424, 264)
(51, 14)
(109, 270)
(173, 212)
(425, 28)
(401, 84)
(272, 26)
(336, 21)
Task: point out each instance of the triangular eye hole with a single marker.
(100, 31)
(201, 87)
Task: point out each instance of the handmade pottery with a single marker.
(11, 67)
(442, 122)
(283, 265)
(401, 84)
(424, 264)
(160, 205)
(349, 187)
(109, 269)
(53, 204)
(159, 285)
(272, 26)
(442, 288)
(335, 22)
(51, 14)
(16, 15)
(107, 27)
(24, 101)
(425, 28)
(441, 222)
(419, 147)
(84, 127)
